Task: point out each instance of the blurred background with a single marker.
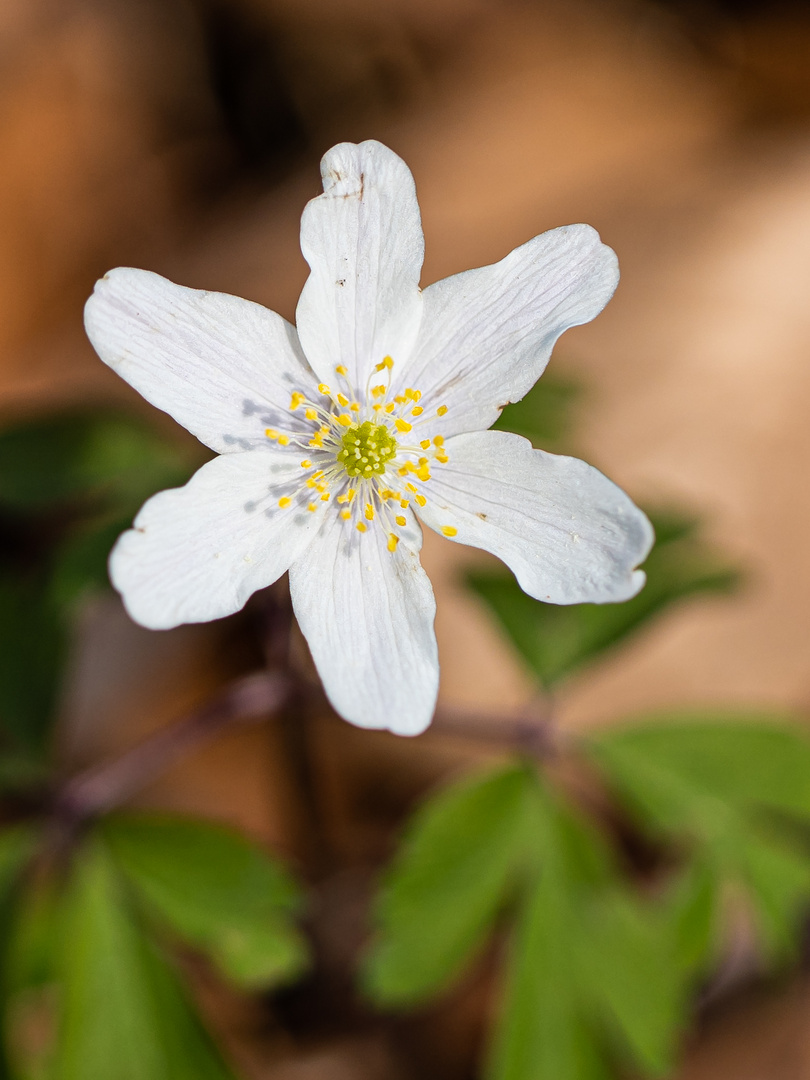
(183, 136)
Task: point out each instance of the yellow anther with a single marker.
(360, 526)
(311, 414)
(345, 420)
(345, 514)
(438, 440)
(386, 362)
(423, 461)
(421, 500)
(341, 369)
(306, 464)
(425, 443)
(312, 508)
(343, 400)
(392, 542)
(355, 406)
(271, 433)
(404, 504)
(423, 472)
(310, 483)
(377, 391)
(402, 425)
(284, 440)
(316, 440)
(442, 457)
(376, 407)
(411, 487)
(369, 512)
(319, 475)
(297, 399)
(400, 400)
(448, 530)
(323, 388)
(350, 494)
(343, 498)
(417, 395)
(400, 520)
(389, 408)
(417, 410)
(325, 497)
(442, 409)
(284, 502)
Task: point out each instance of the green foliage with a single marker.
(556, 641)
(123, 1015)
(544, 415)
(68, 486)
(215, 889)
(463, 855)
(503, 843)
(736, 789)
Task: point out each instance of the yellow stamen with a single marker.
(341, 369)
(271, 433)
(438, 440)
(284, 502)
(369, 512)
(448, 530)
(323, 388)
(392, 542)
(402, 425)
(417, 410)
(377, 391)
(345, 420)
(421, 500)
(442, 409)
(360, 526)
(389, 408)
(306, 464)
(355, 406)
(284, 440)
(297, 399)
(343, 400)
(312, 508)
(350, 494)
(311, 414)
(345, 514)
(425, 443)
(400, 520)
(325, 497)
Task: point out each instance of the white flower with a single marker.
(336, 435)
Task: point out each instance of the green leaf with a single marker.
(731, 788)
(593, 972)
(215, 889)
(556, 641)
(58, 459)
(544, 415)
(463, 853)
(32, 650)
(124, 1016)
(629, 970)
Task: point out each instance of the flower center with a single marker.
(367, 449)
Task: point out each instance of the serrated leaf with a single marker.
(629, 970)
(593, 973)
(724, 785)
(556, 641)
(217, 890)
(462, 854)
(544, 415)
(123, 1015)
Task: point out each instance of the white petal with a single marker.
(198, 552)
(223, 367)
(569, 534)
(367, 615)
(363, 241)
(487, 334)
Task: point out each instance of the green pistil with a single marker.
(367, 449)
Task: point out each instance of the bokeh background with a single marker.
(183, 136)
